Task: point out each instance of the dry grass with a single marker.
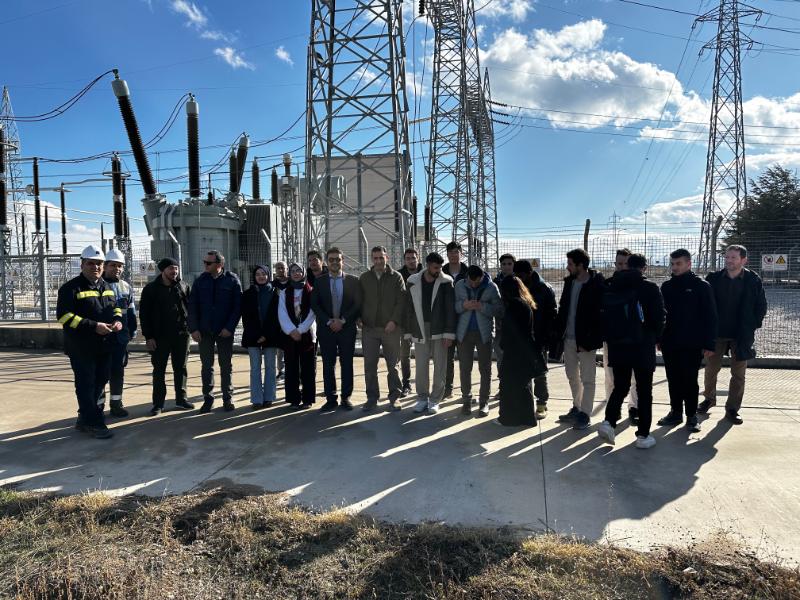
(225, 543)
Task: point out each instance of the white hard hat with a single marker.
(93, 252)
(115, 255)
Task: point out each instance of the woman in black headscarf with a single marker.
(298, 324)
(521, 362)
(261, 336)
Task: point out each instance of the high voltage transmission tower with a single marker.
(13, 170)
(461, 203)
(357, 128)
(725, 186)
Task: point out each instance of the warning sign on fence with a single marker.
(774, 262)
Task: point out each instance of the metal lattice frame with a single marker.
(461, 172)
(725, 161)
(357, 109)
(13, 170)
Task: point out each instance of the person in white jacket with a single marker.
(298, 323)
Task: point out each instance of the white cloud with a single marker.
(516, 9)
(283, 54)
(216, 36)
(194, 15)
(234, 58)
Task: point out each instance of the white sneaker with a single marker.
(484, 410)
(433, 408)
(644, 443)
(606, 431)
(420, 406)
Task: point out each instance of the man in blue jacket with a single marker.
(214, 311)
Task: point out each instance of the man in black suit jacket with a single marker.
(336, 302)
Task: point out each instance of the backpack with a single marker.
(622, 317)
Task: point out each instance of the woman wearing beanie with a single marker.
(261, 336)
(297, 322)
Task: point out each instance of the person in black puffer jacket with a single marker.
(261, 336)
(633, 318)
(689, 333)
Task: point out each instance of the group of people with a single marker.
(443, 309)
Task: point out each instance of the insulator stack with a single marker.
(37, 205)
(274, 190)
(125, 221)
(63, 220)
(256, 176)
(134, 137)
(241, 159)
(428, 215)
(414, 212)
(46, 229)
(210, 191)
(116, 183)
(193, 131)
(232, 167)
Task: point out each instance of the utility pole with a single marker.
(725, 184)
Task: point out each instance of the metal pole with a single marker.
(43, 304)
(178, 246)
(586, 234)
(645, 234)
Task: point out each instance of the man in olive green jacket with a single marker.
(383, 301)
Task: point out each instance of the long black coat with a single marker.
(640, 354)
(752, 310)
(521, 363)
(254, 327)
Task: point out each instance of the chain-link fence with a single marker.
(774, 255)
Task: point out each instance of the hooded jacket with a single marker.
(255, 324)
(751, 312)
(491, 307)
(443, 312)
(691, 313)
(640, 354)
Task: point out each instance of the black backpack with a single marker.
(623, 318)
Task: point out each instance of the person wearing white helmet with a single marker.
(87, 310)
(112, 275)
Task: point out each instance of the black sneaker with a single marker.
(705, 405)
(184, 405)
(227, 406)
(329, 406)
(206, 407)
(155, 411)
(733, 416)
(692, 425)
(369, 405)
(117, 410)
(570, 416)
(633, 415)
(671, 419)
(256, 406)
(406, 391)
(80, 425)
(448, 392)
(346, 404)
(582, 422)
(466, 407)
(99, 432)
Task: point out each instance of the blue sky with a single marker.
(609, 67)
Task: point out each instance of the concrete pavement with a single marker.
(739, 481)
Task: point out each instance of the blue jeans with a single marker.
(262, 391)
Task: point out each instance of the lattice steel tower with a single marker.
(725, 162)
(460, 203)
(13, 171)
(357, 127)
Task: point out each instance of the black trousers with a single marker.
(119, 360)
(331, 345)
(622, 385)
(682, 366)
(91, 376)
(300, 366)
(451, 369)
(224, 348)
(176, 348)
